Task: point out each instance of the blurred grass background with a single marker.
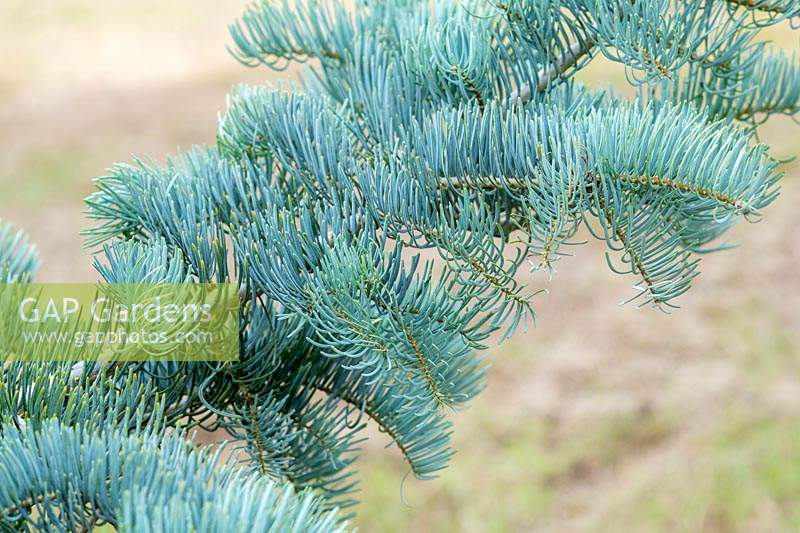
(599, 418)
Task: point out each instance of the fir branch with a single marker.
(442, 127)
(122, 480)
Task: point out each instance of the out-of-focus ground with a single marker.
(599, 418)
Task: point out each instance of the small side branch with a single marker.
(760, 5)
(553, 70)
(369, 408)
(654, 181)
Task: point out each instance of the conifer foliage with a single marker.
(375, 216)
